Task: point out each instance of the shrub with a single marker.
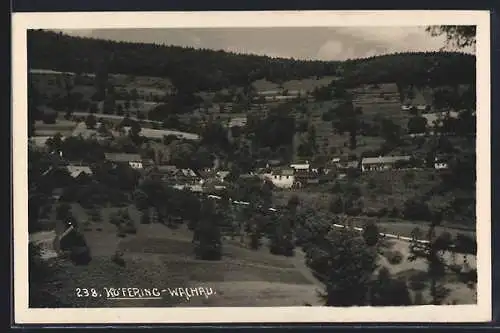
(394, 212)
(465, 244)
(80, 255)
(117, 258)
(382, 212)
(394, 257)
(416, 210)
(371, 234)
(129, 228)
(337, 205)
(370, 212)
(145, 218)
(418, 281)
(388, 291)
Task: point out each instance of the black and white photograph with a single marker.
(169, 167)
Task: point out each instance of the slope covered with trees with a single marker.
(199, 70)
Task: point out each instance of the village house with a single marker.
(237, 121)
(301, 166)
(281, 178)
(418, 102)
(186, 177)
(45, 240)
(133, 160)
(382, 162)
(222, 174)
(163, 173)
(440, 163)
(346, 165)
(76, 171)
(212, 185)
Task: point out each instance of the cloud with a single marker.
(332, 43)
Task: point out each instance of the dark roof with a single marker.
(384, 159)
(167, 168)
(123, 157)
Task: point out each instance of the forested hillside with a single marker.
(200, 70)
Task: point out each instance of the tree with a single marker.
(281, 238)
(90, 121)
(63, 212)
(135, 129)
(460, 36)
(371, 234)
(337, 205)
(119, 110)
(430, 252)
(49, 117)
(341, 260)
(42, 293)
(387, 291)
(207, 237)
(109, 103)
(417, 125)
(101, 80)
(293, 203)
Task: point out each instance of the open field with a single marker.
(458, 293)
(158, 257)
(65, 127)
(304, 85)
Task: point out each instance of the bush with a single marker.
(145, 218)
(337, 206)
(117, 258)
(371, 234)
(394, 257)
(418, 281)
(465, 244)
(80, 255)
(388, 291)
(370, 212)
(416, 210)
(394, 212)
(129, 228)
(382, 212)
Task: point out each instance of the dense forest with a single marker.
(193, 70)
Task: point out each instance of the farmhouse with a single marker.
(282, 178)
(440, 163)
(418, 103)
(213, 185)
(162, 172)
(300, 166)
(134, 160)
(345, 165)
(237, 122)
(382, 162)
(76, 170)
(39, 142)
(222, 174)
(45, 240)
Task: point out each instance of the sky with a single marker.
(331, 43)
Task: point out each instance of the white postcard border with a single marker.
(21, 22)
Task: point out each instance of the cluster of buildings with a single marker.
(291, 176)
(298, 175)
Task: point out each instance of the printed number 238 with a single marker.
(84, 292)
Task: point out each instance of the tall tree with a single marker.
(460, 36)
(345, 264)
(207, 235)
